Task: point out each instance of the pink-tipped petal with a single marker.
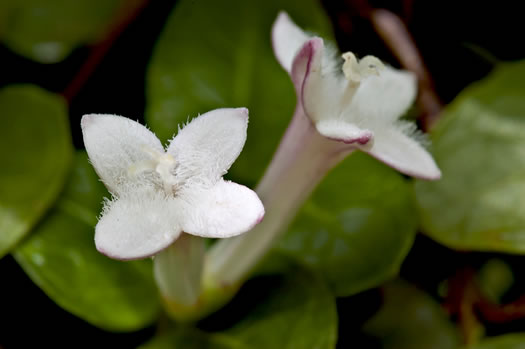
(307, 64)
(205, 149)
(404, 154)
(345, 132)
(287, 39)
(227, 209)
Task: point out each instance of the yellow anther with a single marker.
(356, 71)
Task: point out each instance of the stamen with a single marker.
(351, 67)
(355, 71)
(161, 163)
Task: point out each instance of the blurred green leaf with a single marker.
(508, 341)
(48, 30)
(480, 146)
(188, 338)
(495, 278)
(410, 319)
(62, 260)
(35, 153)
(215, 54)
(298, 312)
(357, 227)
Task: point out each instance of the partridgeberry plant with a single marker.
(192, 234)
(160, 194)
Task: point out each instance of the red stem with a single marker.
(127, 14)
(397, 37)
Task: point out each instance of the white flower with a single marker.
(157, 193)
(360, 107)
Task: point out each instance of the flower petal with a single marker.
(138, 225)
(205, 149)
(382, 98)
(343, 131)
(115, 145)
(307, 65)
(321, 90)
(403, 153)
(287, 39)
(225, 210)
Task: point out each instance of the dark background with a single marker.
(445, 32)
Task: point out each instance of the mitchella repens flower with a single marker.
(360, 107)
(337, 112)
(159, 193)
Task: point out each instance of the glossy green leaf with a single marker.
(357, 227)
(298, 312)
(48, 30)
(35, 155)
(215, 54)
(410, 319)
(508, 341)
(62, 260)
(480, 146)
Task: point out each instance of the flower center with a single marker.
(162, 164)
(165, 165)
(356, 71)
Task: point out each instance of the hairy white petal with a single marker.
(287, 39)
(205, 149)
(116, 145)
(324, 92)
(138, 225)
(225, 210)
(400, 151)
(343, 131)
(383, 98)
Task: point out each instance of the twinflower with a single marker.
(360, 105)
(159, 193)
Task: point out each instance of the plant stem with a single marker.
(301, 161)
(178, 271)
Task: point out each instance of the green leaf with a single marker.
(410, 319)
(479, 143)
(48, 30)
(215, 54)
(508, 341)
(494, 279)
(357, 227)
(188, 338)
(62, 260)
(35, 153)
(299, 313)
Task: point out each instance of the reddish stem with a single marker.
(397, 37)
(126, 15)
(462, 296)
(496, 313)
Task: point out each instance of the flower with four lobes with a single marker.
(158, 193)
(360, 107)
